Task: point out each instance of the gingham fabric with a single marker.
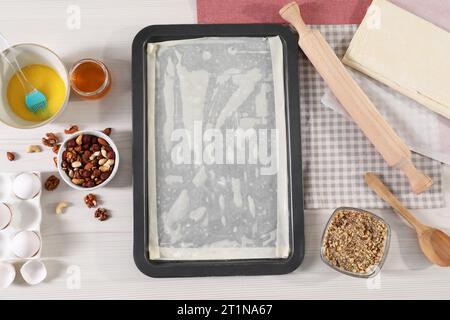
(336, 154)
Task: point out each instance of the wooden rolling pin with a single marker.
(355, 101)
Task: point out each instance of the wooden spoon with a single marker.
(434, 243)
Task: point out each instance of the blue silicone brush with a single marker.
(34, 99)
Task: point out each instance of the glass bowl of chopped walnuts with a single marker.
(355, 242)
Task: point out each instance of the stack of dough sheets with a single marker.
(405, 52)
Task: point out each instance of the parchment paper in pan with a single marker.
(217, 149)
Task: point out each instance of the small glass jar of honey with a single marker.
(90, 79)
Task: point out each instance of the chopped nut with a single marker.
(355, 241)
(72, 129)
(10, 156)
(76, 164)
(95, 147)
(55, 160)
(88, 166)
(79, 140)
(105, 168)
(90, 200)
(51, 183)
(107, 131)
(33, 149)
(60, 207)
(71, 144)
(102, 142)
(77, 181)
(101, 214)
(94, 155)
(55, 148)
(51, 140)
(52, 136)
(104, 175)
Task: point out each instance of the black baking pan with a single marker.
(164, 268)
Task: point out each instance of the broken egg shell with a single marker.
(26, 216)
(5, 246)
(26, 186)
(33, 272)
(7, 274)
(5, 216)
(26, 244)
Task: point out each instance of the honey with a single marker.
(90, 79)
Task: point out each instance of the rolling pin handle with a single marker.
(419, 181)
(291, 13)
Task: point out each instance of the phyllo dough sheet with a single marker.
(217, 166)
(405, 52)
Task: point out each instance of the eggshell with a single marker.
(33, 272)
(26, 185)
(26, 244)
(7, 274)
(5, 216)
(5, 246)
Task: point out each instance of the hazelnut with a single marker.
(10, 156)
(102, 141)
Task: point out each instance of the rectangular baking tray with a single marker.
(189, 268)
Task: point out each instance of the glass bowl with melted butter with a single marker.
(45, 70)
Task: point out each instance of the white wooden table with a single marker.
(99, 255)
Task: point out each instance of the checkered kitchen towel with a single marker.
(336, 154)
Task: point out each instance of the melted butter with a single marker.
(46, 80)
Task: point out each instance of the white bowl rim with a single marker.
(66, 100)
(98, 134)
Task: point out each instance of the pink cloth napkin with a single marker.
(314, 11)
(435, 11)
(266, 11)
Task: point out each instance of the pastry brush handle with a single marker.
(9, 54)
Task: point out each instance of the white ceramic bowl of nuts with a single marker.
(88, 160)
